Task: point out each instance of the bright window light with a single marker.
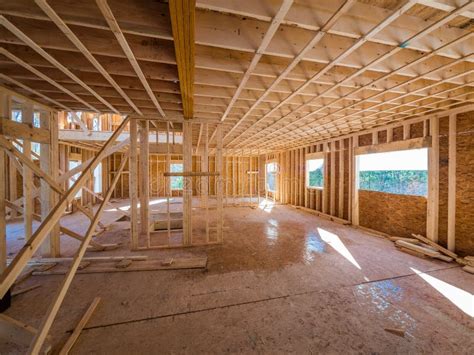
(315, 173)
(271, 170)
(401, 172)
(72, 165)
(98, 178)
(176, 182)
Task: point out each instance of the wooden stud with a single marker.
(433, 182)
(133, 181)
(452, 184)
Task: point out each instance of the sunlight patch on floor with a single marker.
(457, 296)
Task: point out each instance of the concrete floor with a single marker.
(285, 281)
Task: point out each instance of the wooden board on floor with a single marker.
(148, 265)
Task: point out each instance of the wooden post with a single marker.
(325, 192)
(218, 168)
(27, 117)
(355, 183)
(49, 163)
(205, 179)
(333, 178)
(341, 179)
(187, 182)
(133, 181)
(433, 182)
(53, 309)
(27, 251)
(144, 181)
(3, 235)
(452, 184)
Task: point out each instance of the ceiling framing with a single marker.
(278, 73)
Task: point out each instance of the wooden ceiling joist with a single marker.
(77, 42)
(397, 13)
(182, 15)
(115, 28)
(17, 32)
(310, 45)
(45, 78)
(34, 92)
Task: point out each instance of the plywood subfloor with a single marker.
(284, 281)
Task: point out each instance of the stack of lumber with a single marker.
(423, 247)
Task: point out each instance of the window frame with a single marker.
(314, 156)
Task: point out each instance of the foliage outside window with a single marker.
(400, 172)
(176, 181)
(271, 172)
(315, 173)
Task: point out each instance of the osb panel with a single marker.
(365, 139)
(398, 215)
(398, 133)
(465, 184)
(416, 130)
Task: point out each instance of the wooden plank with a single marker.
(29, 205)
(53, 309)
(115, 28)
(182, 15)
(83, 49)
(133, 181)
(355, 183)
(219, 192)
(27, 251)
(341, 179)
(79, 327)
(21, 130)
(148, 265)
(415, 143)
(436, 246)
(417, 248)
(144, 180)
(452, 184)
(433, 182)
(187, 182)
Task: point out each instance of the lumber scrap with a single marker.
(79, 327)
(24, 290)
(148, 265)
(417, 248)
(436, 246)
(9, 276)
(17, 332)
(469, 269)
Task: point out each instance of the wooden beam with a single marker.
(115, 28)
(308, 47)
(271, 30)
(28, 184)
(27, 251)
(182, 15)
(53, 309)
(34, 92)
(22, 130)
(433, 182)
(79, 327)
(415, 143)
(17, 32)
(187, 183)
(133, 181)
(83, 49)
(144, 180)
(19, 61)
(452, 183)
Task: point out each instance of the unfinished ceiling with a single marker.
(278, 74)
